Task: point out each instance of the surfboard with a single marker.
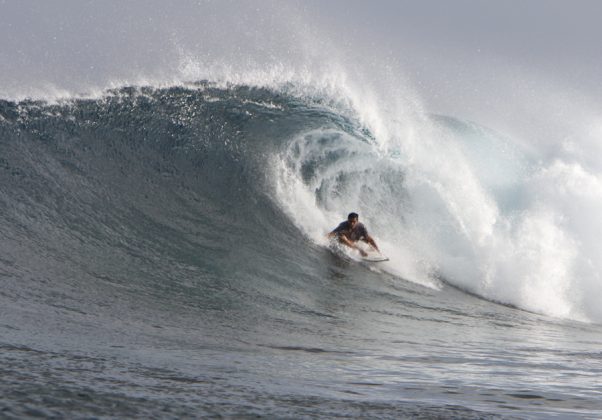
(375, 258)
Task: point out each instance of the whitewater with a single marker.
(163, 248)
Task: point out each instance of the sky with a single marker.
(452, 52)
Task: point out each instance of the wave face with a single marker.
(191, 220)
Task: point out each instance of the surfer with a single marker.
(351, 231)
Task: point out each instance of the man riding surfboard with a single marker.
(351, 231)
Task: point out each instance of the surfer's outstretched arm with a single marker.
(346, 241)
(369, 240)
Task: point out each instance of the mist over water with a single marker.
(169, 174)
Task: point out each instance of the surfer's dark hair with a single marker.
(352, 216)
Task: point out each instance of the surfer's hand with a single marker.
(364, 253)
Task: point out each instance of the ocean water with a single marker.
(162, 255)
